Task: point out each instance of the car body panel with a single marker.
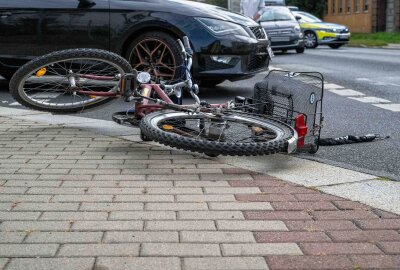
(283, 34)
(49, 25)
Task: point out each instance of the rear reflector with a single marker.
(301, 129)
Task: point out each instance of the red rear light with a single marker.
(301, 129)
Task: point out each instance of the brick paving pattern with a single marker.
(71, 199)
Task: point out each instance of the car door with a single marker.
(30, 28)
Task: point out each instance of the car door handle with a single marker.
(4, 15)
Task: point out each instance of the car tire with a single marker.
(163, 65)
(300, 50)
(311, 40)
(335, 46)
(210, 83)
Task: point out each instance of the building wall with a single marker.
(358, 21)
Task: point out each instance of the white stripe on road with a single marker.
(391, 107)
(371, 100)
(14, 104)
(332, 86)
(46, 95)
(346, 92)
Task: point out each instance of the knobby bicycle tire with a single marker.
(102, 56)
(149, 127)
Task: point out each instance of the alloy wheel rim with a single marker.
(155, 57)
(310, 40)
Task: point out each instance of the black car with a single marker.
(226, 45)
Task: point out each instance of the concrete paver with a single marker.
(76, 199)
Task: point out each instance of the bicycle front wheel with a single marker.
(223, 134)
(63, 81)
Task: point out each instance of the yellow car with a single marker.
(317, 32)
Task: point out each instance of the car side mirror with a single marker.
(86, 4)
(298, 17)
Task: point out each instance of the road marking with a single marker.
(332, 86)
(346, 92)
(46, 95)
(391, 107)
(14, 104)
(371, 100)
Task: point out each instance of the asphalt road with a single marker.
(372, 72)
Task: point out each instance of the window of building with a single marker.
(333, 6)
(348, 6)
(357, 5)
(340, 6)
(366, 5)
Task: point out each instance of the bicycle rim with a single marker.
(231, 134)
(50, 85)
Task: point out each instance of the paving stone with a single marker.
(19, 183)
(106, 177)
(179, 249)
(231, 190)
(226, 263)
(13, 190)
(107, 225)
(51, 263)
(142, 215)
(317, 197)
(46, 207)
(3, 262)
(328, 262)
(83, 198)
(260, 249)
(390, 247)
(25, 198)
(173, 177)
(12, 237)
(141, 237)
(69, 177)
(12, 215)
(251, 225)
(206, 198)
(240, 206)
(144, 198)
(213, 215)
(27, 250)
(379, 224)
(265, 197)
(350, 205)
(320, 225)
(201, 184)
(339, 248)
(216, 237)
(145, 184)
(123, 263)
(257, 183)
(107, 207)
(364, 236)
(59, 190)
(179, 225)
(296, 206)
(64, 237)
(225, 177)
(34, 226)
(176, 206)
(74, 216)
(146, 171)
(347, 214)
(115, 191)
(277, 215)
(290, 237)
(91, 250)
(376, 261)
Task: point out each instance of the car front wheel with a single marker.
(310, 40)
(157, 53)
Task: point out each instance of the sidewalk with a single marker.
(77, 199)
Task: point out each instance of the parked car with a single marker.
(317, 32)
(283, 29)
(293, 8)
(226, 45)
(275, 2)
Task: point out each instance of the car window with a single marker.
(307, 17)
(276, 14)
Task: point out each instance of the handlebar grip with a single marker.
(186, 42)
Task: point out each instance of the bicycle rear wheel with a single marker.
(227, 134)
(62, 81)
